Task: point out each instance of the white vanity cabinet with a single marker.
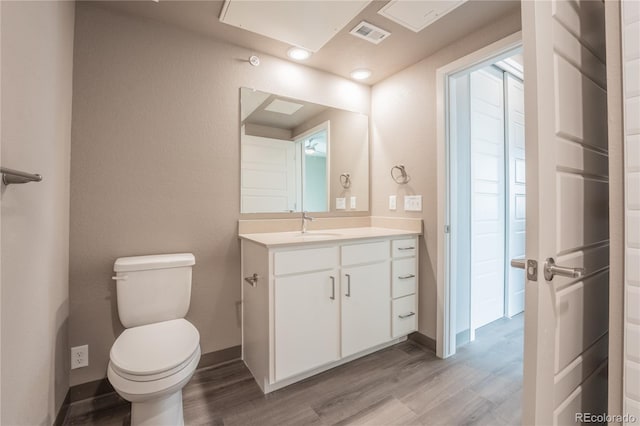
(306, 309)
(319, 304)
(365, 296)
(404, 281)
(306, 322)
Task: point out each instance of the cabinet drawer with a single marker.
(403, 277)
(404, 316)
(365, 253)
(305, 260)
(404, 248)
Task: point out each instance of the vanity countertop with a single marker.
(278, 239)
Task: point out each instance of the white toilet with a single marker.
(154, 358)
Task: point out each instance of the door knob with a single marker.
(551, 269)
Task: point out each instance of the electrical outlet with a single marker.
(79, 356)
(352, 203)
(413, 203)
(392, 202)
(341, 203)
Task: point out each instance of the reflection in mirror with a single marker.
(293, 153)
(315, 167)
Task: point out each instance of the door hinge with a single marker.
(447, 229)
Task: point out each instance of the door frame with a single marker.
(325, 125)
(445, 314)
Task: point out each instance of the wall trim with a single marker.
(220, 357)
(100, 387)
(64, 409)
(423, 340)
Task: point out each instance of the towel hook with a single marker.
(402, 177)
(345, 180)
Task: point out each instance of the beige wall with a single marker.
(37, 55)
(156, 164)
(404, 132)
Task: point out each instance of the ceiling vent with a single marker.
(417, 15)
(370, 32)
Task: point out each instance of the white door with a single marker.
(366, 307)
(487, 197)
(566, 319)
(268, 175)
(307, 322)
(517, 192)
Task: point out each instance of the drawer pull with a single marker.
(406, 248)
(348, 285)
(333, 288)
(406, 277)
(252, 280)
(410, 314)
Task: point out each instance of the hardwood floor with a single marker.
(405, 384)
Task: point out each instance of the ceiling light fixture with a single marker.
(298, 54)
(310, 149)
(360, 74)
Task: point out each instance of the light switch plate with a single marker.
(413, 203)
(341, 203)
(392, 202)
(352, 203)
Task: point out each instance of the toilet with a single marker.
(154, 358)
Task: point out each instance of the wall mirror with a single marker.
(301, 156)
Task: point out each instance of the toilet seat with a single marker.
(155, 351)
(144, 390)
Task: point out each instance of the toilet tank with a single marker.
(154, 288)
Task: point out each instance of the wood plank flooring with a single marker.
(405, 384)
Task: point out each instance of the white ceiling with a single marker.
(344, 52)
(306, 24)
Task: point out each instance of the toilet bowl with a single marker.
(157, 354)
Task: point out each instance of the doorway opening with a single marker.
(486, 194)
(313, 147)
(454, 133)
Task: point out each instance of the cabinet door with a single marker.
(307, 327)
(366, 307)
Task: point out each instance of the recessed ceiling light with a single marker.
(298, 54)
(361, 74)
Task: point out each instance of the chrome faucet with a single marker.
(305, 218)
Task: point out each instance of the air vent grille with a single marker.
(370, 32)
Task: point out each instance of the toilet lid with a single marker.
(155, 348)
